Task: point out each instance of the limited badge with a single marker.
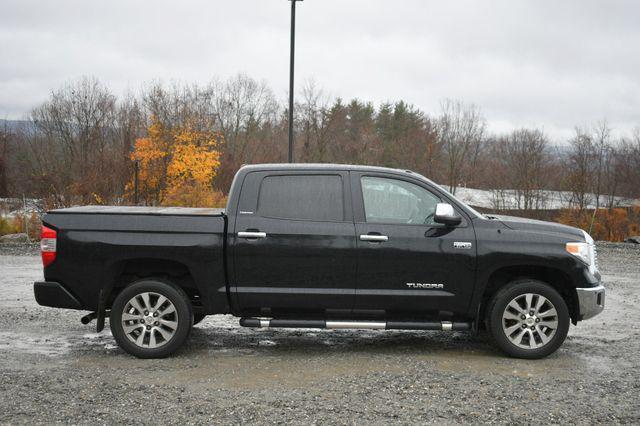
(462, 245)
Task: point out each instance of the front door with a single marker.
(408, 265)
(295, 249)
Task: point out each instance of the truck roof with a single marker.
(323, 166)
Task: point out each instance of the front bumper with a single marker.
(590, 301)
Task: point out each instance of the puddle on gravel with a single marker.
(481, 364)
(51, 345)
(241, 369)
(35, 345)
(562, 364)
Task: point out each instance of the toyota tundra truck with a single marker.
(321, 246)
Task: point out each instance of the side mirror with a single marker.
(446, 215)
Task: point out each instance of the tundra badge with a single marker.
(424, 285)
(462, 245)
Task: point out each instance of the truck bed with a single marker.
(138, 219)
(102, 246)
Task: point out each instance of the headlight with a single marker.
(585, 251)
(581, 251)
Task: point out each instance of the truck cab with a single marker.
(336, 241)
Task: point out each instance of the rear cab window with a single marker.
(315, 197)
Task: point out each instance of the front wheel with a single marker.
(528, 319)
(151, 318)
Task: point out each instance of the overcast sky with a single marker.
(553, 64)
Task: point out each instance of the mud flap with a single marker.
(475, 325)
(101, 312)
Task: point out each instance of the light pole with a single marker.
(291, 61)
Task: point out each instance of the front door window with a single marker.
(396, 201)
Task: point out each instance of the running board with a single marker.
(370, 325)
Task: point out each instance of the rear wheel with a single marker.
(528, 319)
(151, 318)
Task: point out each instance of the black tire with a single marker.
(498, 326)
(182, 315)
(197, 318)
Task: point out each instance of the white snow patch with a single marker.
(507, 199)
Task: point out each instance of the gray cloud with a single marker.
(529, 63)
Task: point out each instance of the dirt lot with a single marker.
(53, 369)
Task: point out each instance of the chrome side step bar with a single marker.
(368, 325)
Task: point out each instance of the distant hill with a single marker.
(15, 125)
(563, 150)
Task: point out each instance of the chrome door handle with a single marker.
(250, 234)
(374, 238)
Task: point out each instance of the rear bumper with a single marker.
(591, 301)
(53, 294)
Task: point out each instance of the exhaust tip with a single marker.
(88, 318)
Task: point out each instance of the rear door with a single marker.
(294, 247)
(409, 266)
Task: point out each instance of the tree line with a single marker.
(81, 146)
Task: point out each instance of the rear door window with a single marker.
(302, 197)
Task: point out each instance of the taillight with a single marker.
(48, 238)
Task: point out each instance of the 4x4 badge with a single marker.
(462, 245)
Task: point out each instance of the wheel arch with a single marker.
(554, 277)
(131, 270)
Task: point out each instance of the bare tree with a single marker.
(580, 173)
(312, 116)
(460, 130)
(629, 165)
(73, 135)
(612, 174)
(525, 160)
(244, 109)
(179, 105)
(242, 105)
(601, 146)
(6, 138)
(596, 167)
(130, 124)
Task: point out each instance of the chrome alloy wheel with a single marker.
(530, 321)
(149, 320)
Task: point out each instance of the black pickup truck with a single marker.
(321, 246)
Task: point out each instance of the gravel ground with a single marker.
(20, 249)
(53, 369)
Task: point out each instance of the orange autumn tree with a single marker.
(177, 166)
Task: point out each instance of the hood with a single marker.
(532, 225)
